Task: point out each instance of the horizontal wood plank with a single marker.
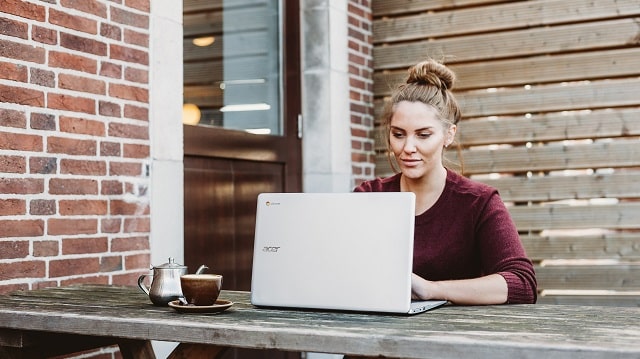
(538, 218)
(537, 41)
(498, 17)
(399, 7)
(533, 70)
(553, 188)
(589, 277)
(615, 246)
(611, 300)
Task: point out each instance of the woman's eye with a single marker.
(424, 135)
(397, 134)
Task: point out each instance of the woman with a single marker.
(466, 249)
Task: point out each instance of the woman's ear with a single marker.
(451, 134)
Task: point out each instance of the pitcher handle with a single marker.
(141, 285)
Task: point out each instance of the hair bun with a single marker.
(433, 73)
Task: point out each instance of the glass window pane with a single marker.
(232, 65)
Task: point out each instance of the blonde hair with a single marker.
(429, 82)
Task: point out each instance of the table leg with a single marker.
(197, 351)
(136, 349)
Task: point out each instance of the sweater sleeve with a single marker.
(502, 252)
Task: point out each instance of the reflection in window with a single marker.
(232, 65)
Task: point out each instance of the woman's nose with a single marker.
(409, 146)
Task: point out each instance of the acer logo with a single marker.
(270, 249)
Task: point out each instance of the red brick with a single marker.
(10, 288)
(82, 207)
(12, 118)
(14, 249)
(125, 169)
(82, 126)
(17, 51)
(109, 109)
(137, 261)
(111, 264)
(12, 207)
(93, 7)
(20, 142)
(136, 38)
(12, 164)
(95, 279)
(23, 9)
(42, 207)
(111, 31)
(72, 186)
(42, 77)
(14, 72)
(43, 165)
(129, 18)
(110, 225)
(23, 269)
(14, 28)
(71, 103)
(135, 151)
(127, 54)
(60, 226)
(136, 113)
(142, 5)
(128, 244)
(111, 187)
(83, 167)
(21, 185)
(72, 62)
(46, 248)
(84, 245)
(75, 266)
(128, 279)
(44, 35)
(136, 75)
(24, 228)
(71, 146)
(120, 207)
(41, 121)
(20, 95)
(41, 284)
(83, 44)
(74, 22)
(132, 93)
(110, 149)
(82, 84)
(128, 131)
(108, 69)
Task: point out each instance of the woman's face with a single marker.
(417, 138)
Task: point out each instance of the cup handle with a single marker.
(141, 285)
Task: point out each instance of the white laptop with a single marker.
(335, 251)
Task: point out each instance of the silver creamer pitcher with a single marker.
(165, 285)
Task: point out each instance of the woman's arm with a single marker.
(490, 289)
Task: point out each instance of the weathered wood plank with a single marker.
(498, 18)
(552, 188)
(544, 158)
(397, 7)
(617, 246)
(544, 98)
(529, 71)
(592, 300)
(550, 127)
(537, 218)
(589, 277)
(492, 46)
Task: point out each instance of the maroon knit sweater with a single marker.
(467, 233)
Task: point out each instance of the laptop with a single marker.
(335, 251)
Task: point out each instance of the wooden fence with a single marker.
(550, 91)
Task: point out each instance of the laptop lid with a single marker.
(338, 251)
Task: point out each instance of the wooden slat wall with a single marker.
(550, 95)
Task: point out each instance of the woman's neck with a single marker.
(427, 189)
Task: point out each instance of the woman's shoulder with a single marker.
(467, 186)
(387, 184)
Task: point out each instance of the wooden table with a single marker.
(56, 320)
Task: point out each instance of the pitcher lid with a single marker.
(170, 265)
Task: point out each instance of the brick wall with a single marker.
(361, 89)
(74, 142)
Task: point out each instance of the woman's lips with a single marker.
(410, 161)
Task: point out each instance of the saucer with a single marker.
(219, 306)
